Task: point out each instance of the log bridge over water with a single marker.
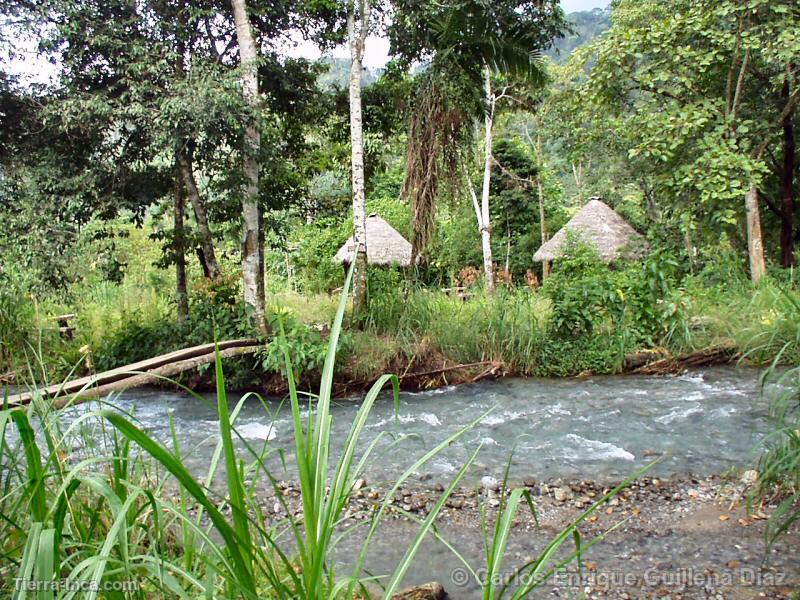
(145, 372)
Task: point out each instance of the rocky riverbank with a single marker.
(677, 538)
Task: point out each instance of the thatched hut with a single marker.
(600, 227)
(385, 246)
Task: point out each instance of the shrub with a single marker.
(636, 301)
(313, 259)
(305, 344)
(215, 313)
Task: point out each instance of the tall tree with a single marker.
(252, 238)
(358, 20)
(788, 166)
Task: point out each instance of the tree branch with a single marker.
(740, 84)
(791, 104)
(770, 204)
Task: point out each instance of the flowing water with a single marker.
(601, 428)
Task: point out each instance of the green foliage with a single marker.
(305, 345)
(774, 331)
(514, 206)
(779, 465)
(215, 313)
(313, 259)
(694, 93)
(17, 320)
(569, 356)
(506, 327)
(634, 301)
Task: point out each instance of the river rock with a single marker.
(455, 503)
(490, 483)
(749, 477)
(429, 591)
(562, 494)
(418, 502)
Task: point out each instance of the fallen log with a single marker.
(138, 374)
(643, 358)
(491, 369)
(493, 366)
(719, 355)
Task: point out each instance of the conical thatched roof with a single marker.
(385, 246)
(599, 226)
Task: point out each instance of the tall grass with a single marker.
(779, 465)
(773, 331)
(17, 319)
(505, 327)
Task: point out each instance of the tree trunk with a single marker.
(543, 227)
(787, 177)
(755, 244)
(486, 227)
(542, 213)
(209, 257)
(252, 234)
(577, 175)
(357, 33)
(181, 292)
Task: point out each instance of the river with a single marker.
(602, 428)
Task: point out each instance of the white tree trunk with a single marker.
(755, 243)
(357, 29)
(485, 223)
(252, 248)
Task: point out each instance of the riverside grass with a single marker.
(779, 465)
(103, 517)
(407, 325)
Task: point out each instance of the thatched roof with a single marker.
(599, 226)
(385, 246)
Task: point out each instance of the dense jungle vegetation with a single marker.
(127, 168)
(171, 174)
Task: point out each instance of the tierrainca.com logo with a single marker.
(73, 586)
